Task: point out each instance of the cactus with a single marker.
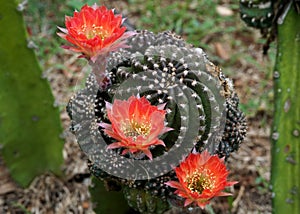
(29, 123)
(282, 17)
(286, 126)
(150, 101)
(200, 100)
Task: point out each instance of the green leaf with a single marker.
(29, 123)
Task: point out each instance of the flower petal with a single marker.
(114, 145)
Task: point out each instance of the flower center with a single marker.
(198, 182)
(135, 129)
(92, 31)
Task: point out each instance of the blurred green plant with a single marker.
(41, 18)
(262, 184)
(77, 4)
(29, 122)
(188, 18)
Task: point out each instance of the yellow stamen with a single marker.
(93, 31)
(135, 129)
(199, 181)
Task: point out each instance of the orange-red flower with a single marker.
(201, 177)
(135, 124)
(93, 31)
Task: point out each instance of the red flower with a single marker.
(93, 31)
(201, 177)
(135, 124)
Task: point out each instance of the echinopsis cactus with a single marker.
(163, 104)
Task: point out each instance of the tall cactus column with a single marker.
(29, 123)
(286, 127)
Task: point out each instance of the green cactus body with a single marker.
(286, 126)
(29, 123)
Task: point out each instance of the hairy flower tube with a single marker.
(201, 177)
(94, 31)
(135, 124)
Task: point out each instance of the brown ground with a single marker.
(250, 165)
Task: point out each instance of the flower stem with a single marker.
(99, 70)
